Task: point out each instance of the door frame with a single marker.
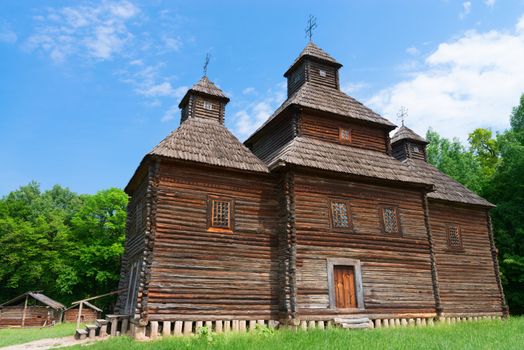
(331, 263)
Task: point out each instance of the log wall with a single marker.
(466, 278)
(36, 316)
(396, 270)
(327, 129)
(277, 136)
(330, 79)
(88, 315)
(134, 244)
(199, 272)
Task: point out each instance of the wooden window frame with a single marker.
(330, 264)
(343, 140)
(322, 72)
(231, 213)
(383, 224)
(448, 239)
(208, 105)
(349, 212)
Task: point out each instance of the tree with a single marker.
(57, 241)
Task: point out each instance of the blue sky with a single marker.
(88, 87)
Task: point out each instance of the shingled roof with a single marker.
(209, 142)
(446, 188)
(207, 87)
(405, 133)
(37, 296)
(312, 50)
(308, 152)
(330, 100)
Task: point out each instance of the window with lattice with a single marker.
(390, 220)
(344, 135)
(454, 237)
(220, 214)
(340, 215)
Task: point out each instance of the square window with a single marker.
(220, 214)
(208, 105)
(344, 135)
(454, 237)
(340, 215)
(322, 72)
(390, 220)
(416, 149)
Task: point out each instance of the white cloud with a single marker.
(490, 3)
(412, 50)
(95, 31)
(162, 89)
(350, 88)
(170, 114)
(472, 81)
(249, 118)
(7, 36)
(466, 9)
(249, 90)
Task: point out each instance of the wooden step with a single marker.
(355, 325)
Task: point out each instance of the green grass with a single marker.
(474, 335)
(11, 336)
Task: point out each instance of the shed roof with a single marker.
(86, 303)
(312, 50)
(446, 188)
(308, 152)
(207, 141)
(405, 133)
(37, 296)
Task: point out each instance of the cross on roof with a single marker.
(206, 63)
(311, 24)
(402, 114)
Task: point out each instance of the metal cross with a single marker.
(206, 63)
(311, 24)
(402, 114)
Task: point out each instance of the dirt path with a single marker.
(50, 343)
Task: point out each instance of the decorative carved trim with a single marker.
(434, 272)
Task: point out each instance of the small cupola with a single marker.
(204, 100)
(314, 66)
(405, 143)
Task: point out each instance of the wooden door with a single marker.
(345, 291)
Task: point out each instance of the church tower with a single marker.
(314, 66)
(408, 144)
(204, 100)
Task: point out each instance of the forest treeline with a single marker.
(69, 245)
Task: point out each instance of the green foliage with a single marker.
(494, 168)
(452, 158)
(264, 331)
(65, 244)
(206, 334)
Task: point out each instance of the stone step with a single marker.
(355, 325)
(351, 320)
(80, 334)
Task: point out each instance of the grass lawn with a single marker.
(474, 335)
(11, 336)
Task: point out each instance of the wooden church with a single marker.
(318, 218)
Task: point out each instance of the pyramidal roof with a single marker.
(405, 133)
(312, 50)
(209, 142)
(205, 86)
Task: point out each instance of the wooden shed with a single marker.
(31, 309)
(90, 313)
